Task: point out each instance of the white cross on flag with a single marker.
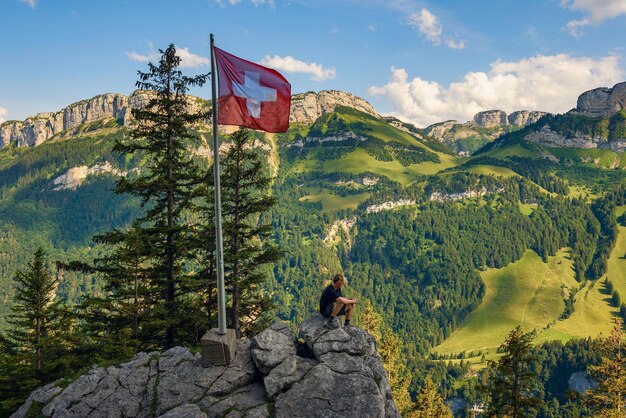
(251, 95)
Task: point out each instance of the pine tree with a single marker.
(247, 242)
(608, 399)
(167, 185)
(114, 323)
(390, 349)
(428, 403)
(513, 384)
(33, 349)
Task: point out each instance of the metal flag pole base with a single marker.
(218, 349)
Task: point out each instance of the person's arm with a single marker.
(345, 300)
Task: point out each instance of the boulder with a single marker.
(270, 348)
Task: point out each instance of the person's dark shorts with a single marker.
(329, 309)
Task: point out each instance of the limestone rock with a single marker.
(187, 410)
(580, 382)
(439, 130)
(307, 107)
(270, 348)
(75, 176)
(42, 395)
(346, 379)
(523, 118)
(37, 129)
(490, 118)
(602, 102)
(550, 138)
(291, 370)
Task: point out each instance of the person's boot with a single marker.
(332, 323)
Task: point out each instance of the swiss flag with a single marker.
(251, 95)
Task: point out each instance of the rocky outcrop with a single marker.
(580, 382)
(307, 107)
(602, 102)
(523, 118)
(346, 378)
(439, 130)
(550, 138)
(37, 129)
(75, 176)
(490, 118)
(389, 205)
(342, 377)
(469, 194)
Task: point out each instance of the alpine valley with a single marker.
(456, 233)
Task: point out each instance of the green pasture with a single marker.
(527, 292)
(332, 202)
(359, 161)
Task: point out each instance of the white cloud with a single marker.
(451, 43)
(188, 59)
(31, 3)
(548, 83)
(428, 24)
(191, 60)
(291, 65)
(3, 114)
(596, 11)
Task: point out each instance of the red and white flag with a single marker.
(251, 95)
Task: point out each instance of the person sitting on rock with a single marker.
(333, 304)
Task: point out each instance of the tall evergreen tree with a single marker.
(32, 351)
(247, 241)
(513, 384)
(114, 323)
(608, 399)
(390, 348)
(167, 185)
(428, 403)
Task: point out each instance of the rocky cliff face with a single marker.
(307, 107)
(342, 376)
(37, 129)
(496, 118)
(601, 102)
(523, 118)
(490, 118)
(550, 138)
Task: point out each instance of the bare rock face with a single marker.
(344, 378)
(523, 118)
(490, 118)
(37, 129)
(439, 130)
(307, 107)
(602, 102)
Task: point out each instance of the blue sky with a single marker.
(423, 61)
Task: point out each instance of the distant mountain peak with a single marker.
(307, 107)
(601, 102)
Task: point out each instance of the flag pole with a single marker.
(221, 293)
